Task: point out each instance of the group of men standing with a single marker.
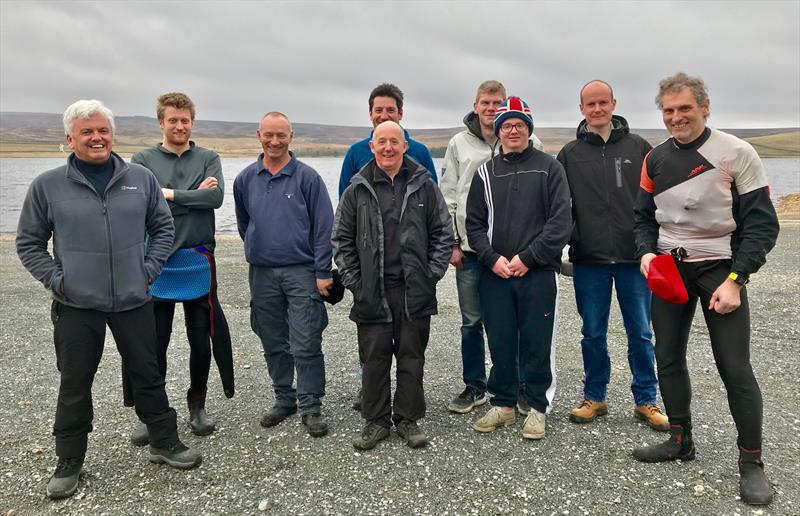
(129, 243)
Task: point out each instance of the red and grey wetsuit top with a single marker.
(693, 189)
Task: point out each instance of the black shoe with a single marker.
(754, 488)
(277, 414)
(177, 455)
(679, 446)
(370, 436)
(408, 430)
(65, 478)
(357, 402)
(467, 400)
(316, 426)
(201, 423)
(139, 435)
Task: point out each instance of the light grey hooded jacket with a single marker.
(100, 251)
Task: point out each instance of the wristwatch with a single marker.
(738, 278)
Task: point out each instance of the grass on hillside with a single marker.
(777, 145)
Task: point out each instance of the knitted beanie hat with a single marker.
(513, 107)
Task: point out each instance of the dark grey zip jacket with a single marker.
(99, 247)
(426, 240)
(604, 182)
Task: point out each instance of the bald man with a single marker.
(603, 165)
(392, 239)
(284, 216)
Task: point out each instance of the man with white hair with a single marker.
(99, 212)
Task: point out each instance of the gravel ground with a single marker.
(576, 469)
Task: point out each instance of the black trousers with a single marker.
(730, 344)
(520, 317)
(406, 340)
(197, 318)
(79, 336)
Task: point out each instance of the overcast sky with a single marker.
(318, 61)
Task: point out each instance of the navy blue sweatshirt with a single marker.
(285, 219)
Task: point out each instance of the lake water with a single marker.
(16, 174)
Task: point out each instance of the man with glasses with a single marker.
(465, 153)
(518, 221)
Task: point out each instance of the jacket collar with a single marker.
(287, 170)
(619, 129)
(511, 157)
(160, 146)
(416, 173)
(72, 169)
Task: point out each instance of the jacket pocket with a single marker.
(420, 293)
(87, 279)
(130, 277)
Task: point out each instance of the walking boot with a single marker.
(201, 423)
(754, 488)
(65, 479)
(679, 446)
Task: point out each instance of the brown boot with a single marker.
(754, 488)
(588, 411)
(653, 416)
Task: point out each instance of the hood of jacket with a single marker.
(473, 124)
(619, 129)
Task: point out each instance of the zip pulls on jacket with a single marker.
(115, 178)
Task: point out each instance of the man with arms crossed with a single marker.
(192, 183)
(392, 239)
(98, 211)
(465, 153)
(603, 165)
(284, 216)
(704, 199)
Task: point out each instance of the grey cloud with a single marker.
(317, 61)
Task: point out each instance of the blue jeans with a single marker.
(473, 348)
(288, 315)
(593, 296)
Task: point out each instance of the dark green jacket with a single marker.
(426, 240)
(192, 209)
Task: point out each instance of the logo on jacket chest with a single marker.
(696, 170)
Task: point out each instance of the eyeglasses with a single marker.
(508, 127)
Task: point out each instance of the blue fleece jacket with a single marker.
(284, 219)
(359, 154)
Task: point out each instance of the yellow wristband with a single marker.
(733, 276)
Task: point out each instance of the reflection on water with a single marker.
(16, 174)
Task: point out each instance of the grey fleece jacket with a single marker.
(99, 239)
